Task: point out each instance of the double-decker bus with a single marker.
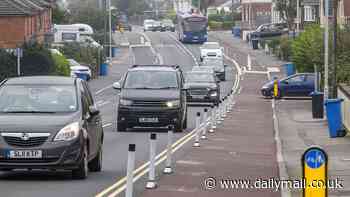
(192, 27)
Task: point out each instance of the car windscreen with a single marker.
(200, 77)
(38, 98)
(211, 46)
(212, 62)
(195, 24)
(151, 80)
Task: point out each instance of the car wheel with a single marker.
(222, 77)
(83, 169)
(96, 164)
(121, 127)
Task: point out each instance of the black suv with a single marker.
(152, 96)
(49, 123)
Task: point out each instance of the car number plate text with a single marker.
(24, 154)
(149, 120)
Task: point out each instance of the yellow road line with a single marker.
(122, 188)
(123, 180)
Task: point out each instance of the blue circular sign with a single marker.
(315, 158)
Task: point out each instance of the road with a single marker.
(165, 49)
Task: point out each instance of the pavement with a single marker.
(298, 131)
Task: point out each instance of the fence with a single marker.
(344, 93)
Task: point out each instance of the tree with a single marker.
(287, 10)
(8, 65)
(59, 16)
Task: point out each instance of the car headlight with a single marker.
(125, 102)
(214, 93)
(68, 133)
(185, 36)
(173, 104)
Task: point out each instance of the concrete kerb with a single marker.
(283, 175)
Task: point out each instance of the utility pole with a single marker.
(298, 16)
(326, 50)
(105, 26)
(333, 86)
(110, 30)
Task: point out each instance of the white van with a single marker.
(74, 33)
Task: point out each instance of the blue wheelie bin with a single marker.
(104, 69)
(334, 117)
(290, 69)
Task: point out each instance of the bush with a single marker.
(308, 49)
(214, 25)
(285, 48)
(61, 65)
(227, 25)
(36, 60)
(215, 17)
(8, 65)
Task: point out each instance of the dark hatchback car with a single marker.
(202, 87)
(152, 96)
(301, 84)
(49, 123)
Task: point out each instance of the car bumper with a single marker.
(130, 117)
(266, 92)
(55, 155)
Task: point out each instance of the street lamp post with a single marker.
(298, 16)
(326, 50)
(110, 30)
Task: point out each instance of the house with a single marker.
(255, 13)
(344, 12)
(24, 21)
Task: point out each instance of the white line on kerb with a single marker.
(107, 125)
(103, 89)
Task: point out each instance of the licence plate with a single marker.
(24, 154)
(198, 97)
(195, 37)
(148, 120)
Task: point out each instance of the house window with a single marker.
(309, 14)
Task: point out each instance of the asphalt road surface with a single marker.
(165, 49)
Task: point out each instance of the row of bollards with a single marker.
(204, 125)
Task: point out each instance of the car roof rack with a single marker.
(156, 65)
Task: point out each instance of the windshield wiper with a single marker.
(165, 88)
(29, 112)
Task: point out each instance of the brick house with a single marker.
(255, 13)
(24, 21)
(344, 12)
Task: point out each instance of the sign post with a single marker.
(275, 88)
(314, 163)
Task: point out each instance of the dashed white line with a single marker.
(107, 125)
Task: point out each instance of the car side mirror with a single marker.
(185, 88)
(285, 82)
(117, 86)
(93, 110)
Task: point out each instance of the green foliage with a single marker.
(287, 10)
(37, 60)
(285, 48)
(88, 15)
(85, 55)
(228, 25)
(171, 15)
(61, 65)
(8, 65)
(59, 16)
(216, 17)
(308, 49)
(214, 25)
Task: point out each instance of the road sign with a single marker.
(314, 162)
(19, 52)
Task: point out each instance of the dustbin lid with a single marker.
(330, 101)
(316, 93)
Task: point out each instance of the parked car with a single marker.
(301, 84)
(202, 87)
(148, 24)
(217, 63)
(157, 26)
(152, 96)
(167, 25)
(270, 30)
(49, 123)
(76, 69)
(212, 49)
(208, 69)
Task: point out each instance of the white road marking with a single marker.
(103, 89)
(183, 48)
(107, 125)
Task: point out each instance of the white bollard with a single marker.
(198, 123)
(213, 119)
(223, 109)
(168, 169)
(205, 127)
(130, 170)
(151, 183)
(218, 113)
